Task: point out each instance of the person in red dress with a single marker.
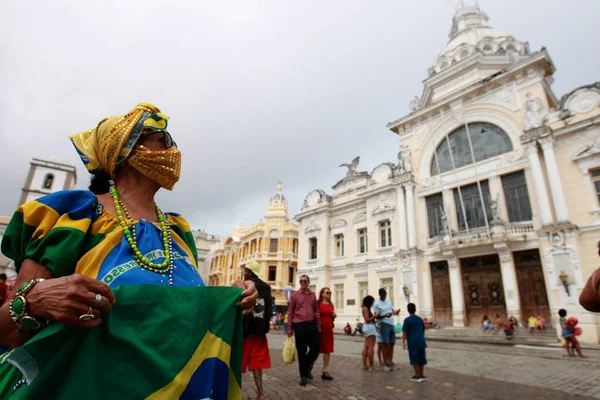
(327, 311)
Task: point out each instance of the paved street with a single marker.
(455, 370)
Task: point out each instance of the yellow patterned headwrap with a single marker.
(104, 148)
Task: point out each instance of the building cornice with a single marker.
(542, 55)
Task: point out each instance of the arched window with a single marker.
(48, 180)
(487, 141)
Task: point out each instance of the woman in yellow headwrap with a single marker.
(73, 248)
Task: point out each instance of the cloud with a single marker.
(256, 91)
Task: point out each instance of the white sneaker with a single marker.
(422, 379)
(386, 368)
(394, 367)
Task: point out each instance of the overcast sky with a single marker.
(257, 91)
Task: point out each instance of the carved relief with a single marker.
(420, 133)
(583, 101)
(415, 104)
(504, 95)
(557, 239)
(404, 162)
(534, 114)
(382, 173)
(314, 198)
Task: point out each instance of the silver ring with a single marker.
(97, 301)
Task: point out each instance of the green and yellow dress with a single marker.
(166, 337)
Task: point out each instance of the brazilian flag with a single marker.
(156, 342)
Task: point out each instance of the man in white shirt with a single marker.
(384, 307)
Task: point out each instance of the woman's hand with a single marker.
(250, 294)
(65, 299)
(334, 315)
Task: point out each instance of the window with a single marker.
(471, 200)
(272, 273)
(312, 248)
(385, 233)
(388, 285)
(596, 180)
(486, 140)
(517, 198)
(48, 180)
(295, 246)
(338, 289)
(362, 241)
(435, 207)
(464, 54)
(291, 274)
(363, 291)
(273, 245)
(487, 48)
(339, 245)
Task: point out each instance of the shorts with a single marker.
(387, 333)
(369, 330)
(566, 332)
(255, 354)
(417, 357)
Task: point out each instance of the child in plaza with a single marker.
(413, 332)
(568, 327)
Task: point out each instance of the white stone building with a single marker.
(504, 220)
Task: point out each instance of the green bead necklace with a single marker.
(129, 230)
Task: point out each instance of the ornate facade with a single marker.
(272, 242)
(493, 206)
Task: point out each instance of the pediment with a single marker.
(589, 150)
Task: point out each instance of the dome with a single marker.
(278, 197)
(471, 34)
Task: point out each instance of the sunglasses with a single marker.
(303, 281)
(327, 292)
(169, 142)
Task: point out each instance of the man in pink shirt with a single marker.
(305, 321)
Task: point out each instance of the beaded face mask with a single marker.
(162, 166)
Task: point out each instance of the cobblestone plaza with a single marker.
(455, 371)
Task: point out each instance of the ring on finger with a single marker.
(89, 316)
(97, 301)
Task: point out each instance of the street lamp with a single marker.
(564, 278)
(405, 290)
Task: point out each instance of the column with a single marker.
(558, 195)
(410, 208)
(497, 192)
(510, 284)
(450, 208)
(427, 292)
(540, 185)
(456, 293)
(401, 218)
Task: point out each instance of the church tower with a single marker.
(47, 176)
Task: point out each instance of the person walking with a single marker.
(369, 332)
(413, 333)
(384, 308)
(327, 313)
(255, 355)
(304, 320)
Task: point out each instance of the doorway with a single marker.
(532, 286)
(440, 286)
(482, 284)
